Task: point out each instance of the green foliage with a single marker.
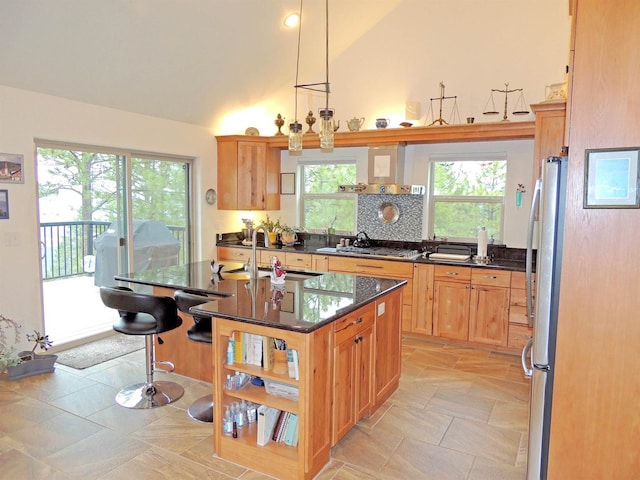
(8, 355)
(467, 195)
(323, 206)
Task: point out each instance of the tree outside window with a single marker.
(467, 195)
(322, 206)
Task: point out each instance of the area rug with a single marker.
(100, 351)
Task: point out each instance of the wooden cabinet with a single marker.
(320, 263)
(489, 308)
(296, 260)
(471, 304)
(378, 268)
(451, 300)
(248, 174)
(549, 136)
(422, 302)
(352, 369)
(234, 254)
(388, 346)
(519, 330)
(313, 405)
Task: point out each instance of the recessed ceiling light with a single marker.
(291, 20)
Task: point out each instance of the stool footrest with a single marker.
(165, 363)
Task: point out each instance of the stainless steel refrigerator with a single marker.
(538, 355)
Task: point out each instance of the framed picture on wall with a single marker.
(11, 168)
(4, 204)
(611, 178)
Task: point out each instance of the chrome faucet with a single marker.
(253, 268)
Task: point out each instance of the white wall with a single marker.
(25, 116)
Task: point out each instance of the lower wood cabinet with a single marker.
(388, 346)
(472, 304)
(367, 361)
(489, 308)
(352, 365)
(451, 300)
(422, 303)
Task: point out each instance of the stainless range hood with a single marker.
(385, 173)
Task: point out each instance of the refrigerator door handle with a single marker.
(529, 258)
(528, 371)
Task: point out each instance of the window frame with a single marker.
(433, 199)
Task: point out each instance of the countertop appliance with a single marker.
(538, 355)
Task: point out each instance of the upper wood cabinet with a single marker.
(248, 174)
(549, 136)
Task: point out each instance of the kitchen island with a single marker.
(346, 330)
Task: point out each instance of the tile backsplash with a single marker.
(407, 228)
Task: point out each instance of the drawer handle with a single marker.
(369, 266)
(452, 273)
(492, 277)
(358, 339)
(359, 320)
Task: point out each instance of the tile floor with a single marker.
(459, 414)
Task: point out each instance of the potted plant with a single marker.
(273, 228)
(288, 235)
(26, 363)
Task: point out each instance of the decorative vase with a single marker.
(39, 364)
(273, 236)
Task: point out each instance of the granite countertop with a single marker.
(304, 303)
(513, 264)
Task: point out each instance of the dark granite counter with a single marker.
(305, 302)
(503, 258)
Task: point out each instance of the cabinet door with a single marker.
(489, 315)
(451, 302)
(251, 175)
(344, 402)
(364, 361)
(422, 313)
(320, 263)
(388, 338)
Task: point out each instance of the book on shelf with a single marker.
(254, 349)
(278, 431)
(239, 346)
(268, 352)
(267, 418)
(291, 435)
(293, 364)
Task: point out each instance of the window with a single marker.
(322, 206)
(466, 194)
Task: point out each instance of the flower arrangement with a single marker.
(8, 355)
(271, 225)
(521, 188)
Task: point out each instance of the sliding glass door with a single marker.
(104, 212)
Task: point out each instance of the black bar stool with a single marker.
(149, 315)
(200, 331)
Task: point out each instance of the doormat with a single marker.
(100, 351)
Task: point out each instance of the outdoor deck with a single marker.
(74, 312)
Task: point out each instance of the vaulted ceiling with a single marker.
(175, 59)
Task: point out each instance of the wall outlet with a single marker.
(381, 307)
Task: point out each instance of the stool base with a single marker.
(202, 409)
(149, 395)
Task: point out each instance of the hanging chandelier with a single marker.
(326, 114)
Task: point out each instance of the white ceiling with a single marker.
(175, 59)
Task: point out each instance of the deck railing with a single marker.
(67, 248)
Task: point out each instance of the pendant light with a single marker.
(326, 114)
